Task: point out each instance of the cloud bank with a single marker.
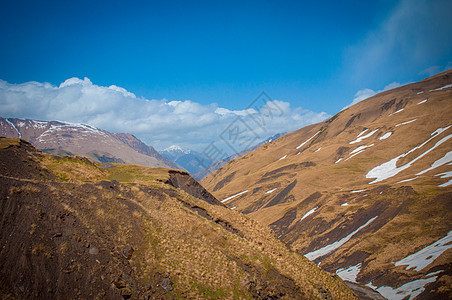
(159, 123)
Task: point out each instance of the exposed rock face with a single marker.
(362, 191)
(182, 180)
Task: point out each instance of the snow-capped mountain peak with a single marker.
(177, 148)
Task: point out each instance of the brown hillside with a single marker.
(360, 191)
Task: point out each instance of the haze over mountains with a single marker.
(366, 194)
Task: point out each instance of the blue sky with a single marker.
(314, 55)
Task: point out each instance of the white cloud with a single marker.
(361, 95)
(159, 123)
(367, 93)
(391, 86)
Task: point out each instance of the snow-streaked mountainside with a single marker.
(80, 139)
(366, 194)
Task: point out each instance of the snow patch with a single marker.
(385, 136)
(233, 196)
(442, 161)
(334, 246)
(39, 124)
(445, 174)
(404, 123)
(396, 112)
(318, 149)
(12, 125)
(308, 213)
(411, 289)
(344, 204)
(357, 191)
(362, 132)
(423, 101)
(418, 93)
(360, 148)
(350, 273)
(358, 151)
(304, 143)
(406, 180)
(360, 138)
(233, 207)
(390, 169)
(283, 157)
(77, 127)
(271, 191)
(442, 88)
(446, 184)
(427, 255)
(338, 160)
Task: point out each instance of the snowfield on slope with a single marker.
(390, 169)
(350, 273)
(407, 122)
(360, 138)
(233, 196)
(396, 112)
(385, 136)
(12, 125)
(308, 213)
(358, 150)
(406, 180)
(271, 191)
(411, 289)
(304, 143)
(442, 161)
(427, 255)
(334, 246)
(423, 101)
(442, 88)
(445, 175)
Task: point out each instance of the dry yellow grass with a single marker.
(408, 219)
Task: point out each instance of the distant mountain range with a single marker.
(215, 166)
(366, 194)
(63, 138)
(200, 166)
(189, 160)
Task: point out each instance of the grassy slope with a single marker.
(206, 251)
(409, 218)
